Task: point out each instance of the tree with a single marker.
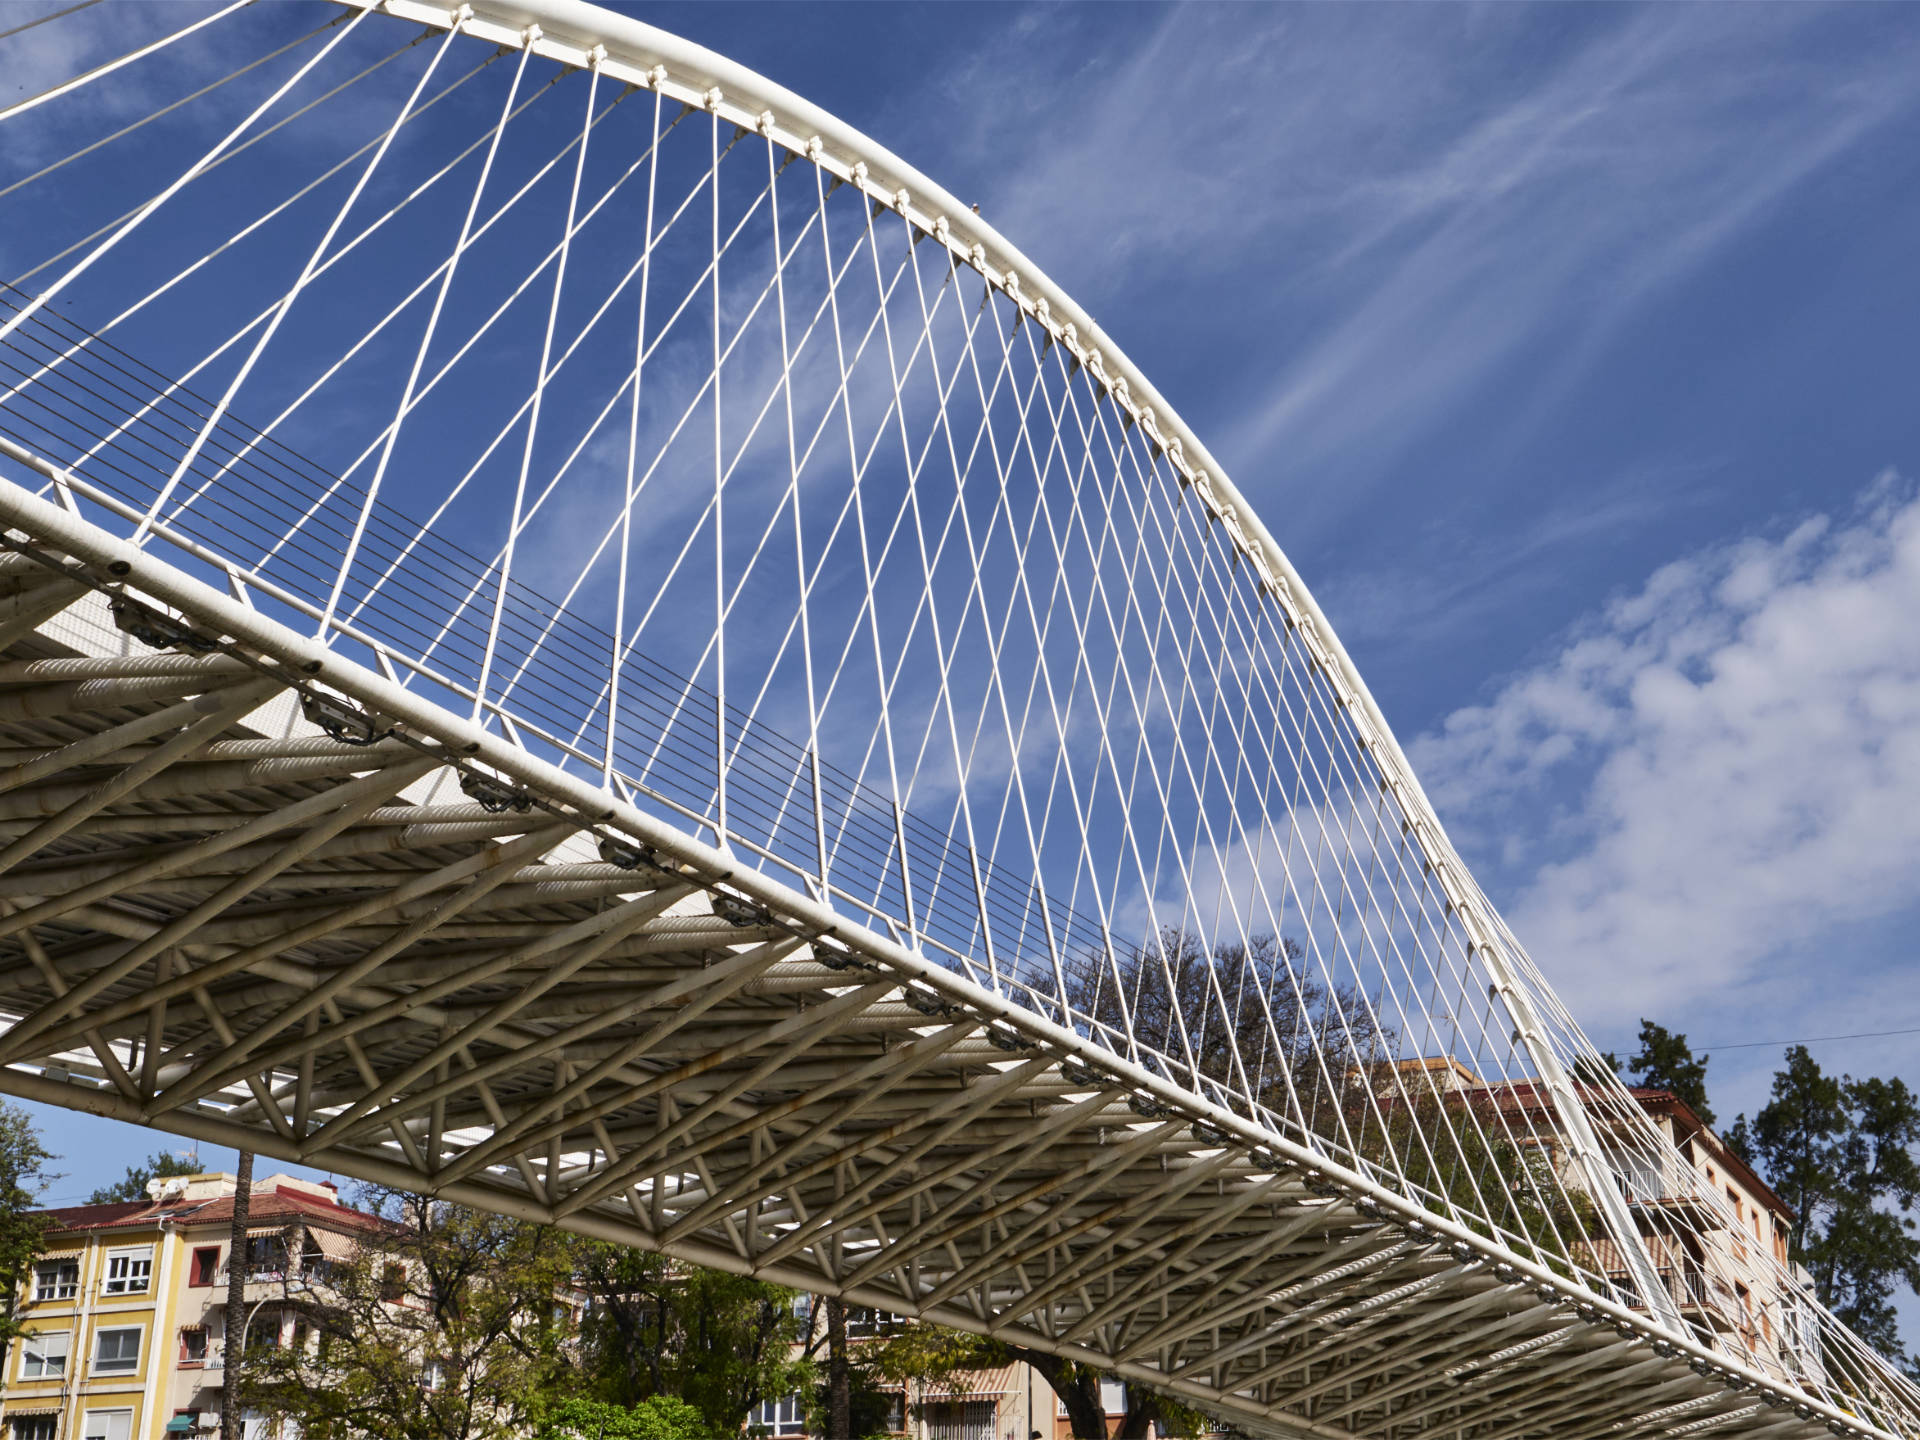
(720, 1342)
(133, 1185)
(1254, 1017)
(1665, 1062)
(839, 1380)
(446, 1323)
(1840, 1153)
(660, 1418)
(233, 1343)
(868, 1397)
(24, 1172)
(936, 1355)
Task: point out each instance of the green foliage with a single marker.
(1666, 1062)
(133, 1185)
(933, 1355)
(946, 1361)
(1840, 1153)
(447, 1326)
(720, 1342)
(24, 1172)
(871, 1402)
(1482, 1171)
(660, 1417)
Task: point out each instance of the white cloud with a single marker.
(1716, 768)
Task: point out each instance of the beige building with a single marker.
(126, 1310)
(1719, 1238)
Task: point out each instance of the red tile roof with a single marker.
(264, 1208)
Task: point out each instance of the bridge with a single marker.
(581, 638)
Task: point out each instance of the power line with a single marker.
(1813, 1039)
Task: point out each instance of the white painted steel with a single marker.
(1320, 1152)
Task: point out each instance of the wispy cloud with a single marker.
(1460, 209)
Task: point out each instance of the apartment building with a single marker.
(1718, 1237)
(126, 1310)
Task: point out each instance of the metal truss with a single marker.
(577, 637)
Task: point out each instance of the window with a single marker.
(263, 1331)
(1638, 1174)
(56, 1280)
(116, 1352)
(107, 1425)
(432, 1375)
(128, 1271)
(42, 1357)
(393, 1282)
(778, 1417)
(33, 1427)
(959, 1419)
(193, 1345)
(266, 1256)
(206, 1266)
(865, 1324)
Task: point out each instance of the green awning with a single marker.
(179, 1424)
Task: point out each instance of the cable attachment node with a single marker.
(630, 855)
(836, 956)
(1074, 1073)
(927, 1001)
(493, 797)
(738, 912)
(158, 630)
(1004, 1039)
(343, 722)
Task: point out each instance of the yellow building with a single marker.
(126, 1310)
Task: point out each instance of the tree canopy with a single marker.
(720, 1342)
(24, 1171)
(1840, 1153)
(660, 1418)
(133, 1185)
(447, 1323)
(1254, 1017)
(1664, 1061)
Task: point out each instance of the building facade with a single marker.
(1719, 1239)
(125, 1312)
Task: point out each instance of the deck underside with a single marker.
(396, 961)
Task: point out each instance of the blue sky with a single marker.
(1568, 352)
(1529, 331)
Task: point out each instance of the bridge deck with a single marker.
(403, 961)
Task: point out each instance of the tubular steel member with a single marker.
(474, 854)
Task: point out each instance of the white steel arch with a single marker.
(934, 849)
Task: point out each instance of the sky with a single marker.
(1562, 350)
(1568, 352)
